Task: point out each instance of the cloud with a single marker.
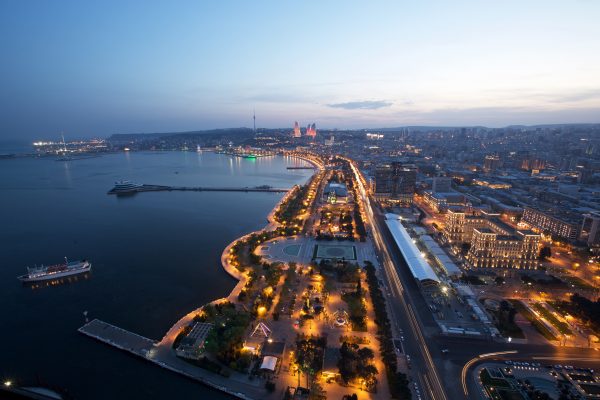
(579, 96)
(362, 105)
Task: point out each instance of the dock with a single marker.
(118, 337)
(311, 167)
(162, 355)
(160, 188)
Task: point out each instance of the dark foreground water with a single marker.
(155, 257)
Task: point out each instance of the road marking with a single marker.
(474, 360)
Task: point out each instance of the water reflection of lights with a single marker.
(59, 281)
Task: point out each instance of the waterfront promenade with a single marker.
(162, 353)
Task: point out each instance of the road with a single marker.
(410, 313)
(401, 307)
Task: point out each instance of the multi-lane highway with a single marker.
(442, 376)
(401, 307)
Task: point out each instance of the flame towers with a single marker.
(311, 130)
(297, 132)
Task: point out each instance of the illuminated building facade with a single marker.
(491, 163)
(492, 250)
(493, 244)
(547, 221)
(311, 130)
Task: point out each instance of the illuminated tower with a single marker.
(311, 130)
(297, 132)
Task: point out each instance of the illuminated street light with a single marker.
(7, 383)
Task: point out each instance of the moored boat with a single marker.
(56, 271)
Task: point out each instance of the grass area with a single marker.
(507, 328)
(562, 327)
(591, 389)
(356, 310)
(487, 380)
(504, 394)
(577, 283)
(539, 326)
(208, 365)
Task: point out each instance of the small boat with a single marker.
(55, 271)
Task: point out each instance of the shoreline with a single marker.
(165, 357)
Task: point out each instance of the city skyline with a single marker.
(92, 70)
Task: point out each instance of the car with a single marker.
(558, 366)
(536, 364)
(445, 351)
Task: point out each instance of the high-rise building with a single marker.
(491, 162)
(590, 229)
(311, 130)
(297, 132)
(395, 182)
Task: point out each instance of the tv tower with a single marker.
(254, 120)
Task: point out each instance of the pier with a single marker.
(161, 354)
(118, 337)
(311, 167)
(160, 188)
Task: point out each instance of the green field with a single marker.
(524, 311)
(562, 327)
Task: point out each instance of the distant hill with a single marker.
(128, 137)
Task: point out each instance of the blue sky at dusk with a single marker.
(97, 68)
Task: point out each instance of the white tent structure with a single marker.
(420, 269)
(269, 363)
(261, 329)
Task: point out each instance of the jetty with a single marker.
(311, 167)
(162, 355)
(160, 188)
(118, 337)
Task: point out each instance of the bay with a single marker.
(155, 257)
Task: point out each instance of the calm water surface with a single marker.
(155, 257)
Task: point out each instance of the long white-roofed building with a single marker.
(419, 267)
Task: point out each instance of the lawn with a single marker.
(356, 310)
(577, 283)
(487, 380)
(562, 327)
(508, 329)
(524, 311)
